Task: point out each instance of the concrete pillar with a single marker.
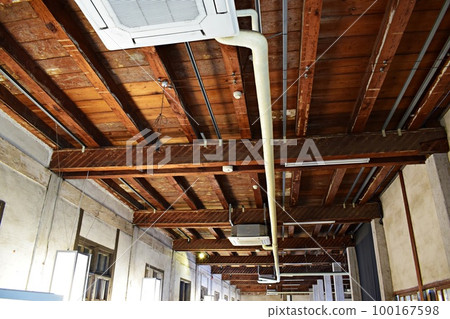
(355, 284)
(438, 168)
(133, 288)
(382, 258)
(338, 284)
(36, 277)
(328, 289)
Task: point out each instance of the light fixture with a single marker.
(310, 223)
(202, 255)
(255, 186)
(329, 162)
(237, 94)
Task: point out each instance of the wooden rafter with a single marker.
(54, 13)
(234, 76)
(173, 98)
(148, 192)
(47, 92)
(226, 245)
(22, 114)
(394, 22)
(268, 260)
(438, 89)
(179, 184)
(218, 190)
(219, 218)
(257, 191)
(376, 182)
(316, 230)
(365, 145)
(295, 187)
(336, 181)
(312, 10)
(216, 232)
(343, 230)
(121, 193)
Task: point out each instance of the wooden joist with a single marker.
(218, 190)
(268, 260)
(376, 182)
(185, 192)
(295, 187)
(336, 181)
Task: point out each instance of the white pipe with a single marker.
(252, 14)
(258, 44)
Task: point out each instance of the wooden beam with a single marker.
(252, 270)
(185, 192)
(23, 115)
(121, 193)
(287, 243)
(192, 233)
(219, 218)
(218, 190)
(411, 236)
(377, 180)
(394, 22)
(438, 89)
(148, 192)
(216, 232)
(366, 145)
(257, 191)
(336, 181)
(291, 231)
(312, 10)
(234, 77)
(173, 98)
(343, 230)
(68, 32)
(295, 187)
(316, 230)
(41, 85)
(268, 260)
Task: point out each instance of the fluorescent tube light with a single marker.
(330, 162)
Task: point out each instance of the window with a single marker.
(203, 293)
(185, 290)
(2, 208)
(225, 297)
(154, 285)
(216, 296)
(99, 281)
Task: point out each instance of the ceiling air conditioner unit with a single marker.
(123, 24)
(249, 235)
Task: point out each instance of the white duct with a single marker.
(258, 44)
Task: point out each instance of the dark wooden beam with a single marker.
(365, 145)
(219, 218)
(180, 110)
(287, 243)
(268, 260)
(257, 191)
(343, 230)
(56, 15)
(438, 89)
(148, 192)
(295, 187)
(185, 191)
(376, 182)
(41, 85)
(336, 181)
(234, 77)
(316, 230)
(218, 190)
(312, 10)
(216, 232)
(121, 193)
(23, 115)
(192, 233)
(394, 22)
(248, 271)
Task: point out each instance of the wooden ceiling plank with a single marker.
(22, 114)
(394, 23)
(234, 75)
(43, 88)
(257, 191)
(219, 217)
(184, 193)
(312, 10)
(179, 108)
(149, 193)
(438, 89)
(56, 16)
(295, 187)
(336, 181)
(376, 182)
(365, 145)
(287, 243)
(218, 190)
(122, 194)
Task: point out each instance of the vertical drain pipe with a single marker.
(258, 44)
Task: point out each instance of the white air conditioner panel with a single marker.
(250, 241)
(123, 24)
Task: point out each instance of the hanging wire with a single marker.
(161, 120)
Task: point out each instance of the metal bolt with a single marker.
(381, 69)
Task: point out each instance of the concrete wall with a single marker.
(41, 216)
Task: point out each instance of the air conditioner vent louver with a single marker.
(249, 235)
(123, 24)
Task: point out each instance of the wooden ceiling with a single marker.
(347, 63)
